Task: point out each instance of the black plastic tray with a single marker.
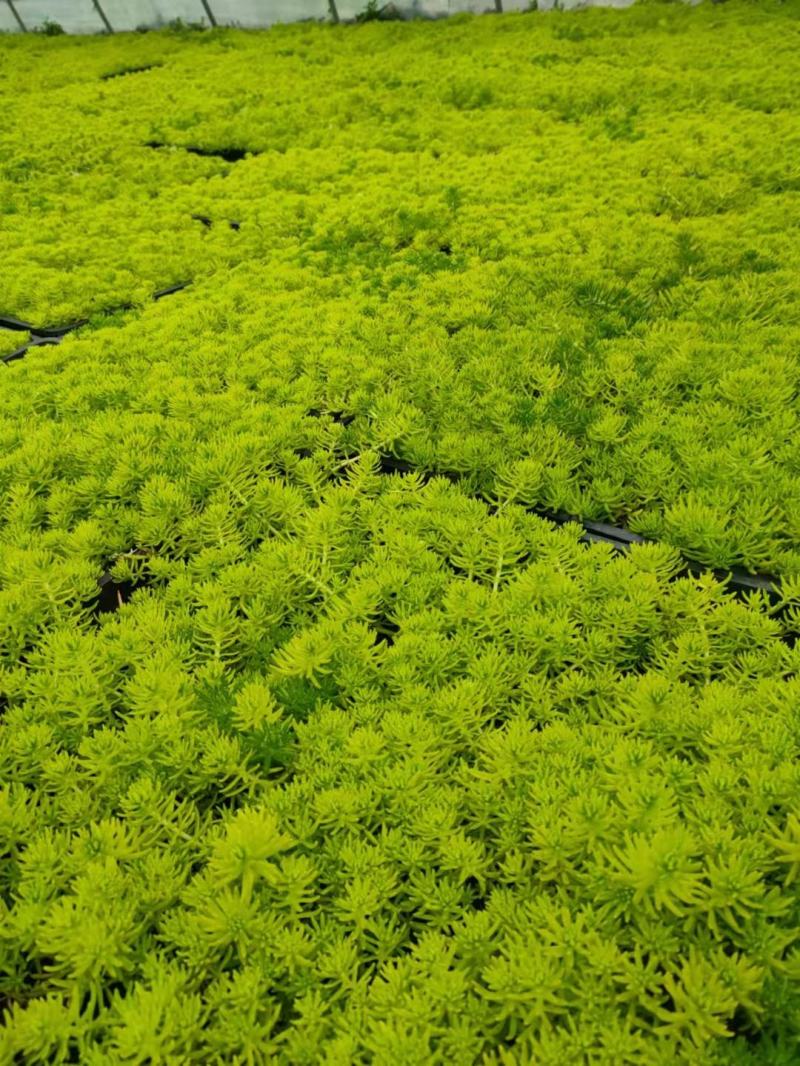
(130, 70)
(57, 332)
(228, 155)
(20, 352)
(9, 322)
(617, 537)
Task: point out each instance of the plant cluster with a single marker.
(575, 236)
(407, 780)
(306, 760)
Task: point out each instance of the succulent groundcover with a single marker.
(335, 725)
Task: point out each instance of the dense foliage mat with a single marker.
(318, 743)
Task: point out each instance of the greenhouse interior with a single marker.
(399, 533)
(103, 16)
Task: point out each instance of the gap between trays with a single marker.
(41, 335)
(616, 537)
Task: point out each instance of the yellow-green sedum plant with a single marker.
(318, 742)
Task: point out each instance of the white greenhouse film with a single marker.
(82, 16)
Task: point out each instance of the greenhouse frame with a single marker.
(108, 16)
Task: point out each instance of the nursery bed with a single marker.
(398, 630)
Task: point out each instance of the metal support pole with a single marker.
(209, 12)
(498, 6)
(102, 14)
(333, 12)
(15, 13)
